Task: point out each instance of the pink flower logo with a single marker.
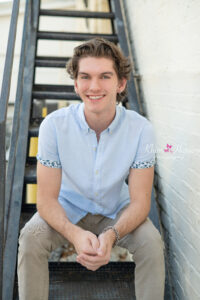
(168, 148)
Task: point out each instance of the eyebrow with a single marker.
(84, 73)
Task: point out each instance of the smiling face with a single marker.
(97, 84)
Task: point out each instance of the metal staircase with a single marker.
(21, 170)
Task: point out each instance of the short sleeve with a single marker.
(145, 155)
(47, 145)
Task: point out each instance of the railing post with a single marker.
(2, 200)
(5, 92)
(15, 195)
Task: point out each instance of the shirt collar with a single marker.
(85, 127)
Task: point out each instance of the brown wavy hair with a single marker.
(99, 47)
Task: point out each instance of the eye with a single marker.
(84, 77)
(106, 77)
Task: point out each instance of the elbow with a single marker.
(38, 207)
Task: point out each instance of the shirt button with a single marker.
(97, 172)
(96, 194)
(95, 148)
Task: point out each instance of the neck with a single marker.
(98, 122)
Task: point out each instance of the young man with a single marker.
(86, 152)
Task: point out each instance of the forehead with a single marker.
(96, 65)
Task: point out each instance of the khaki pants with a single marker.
(37, 240)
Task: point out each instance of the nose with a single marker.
(94, 85)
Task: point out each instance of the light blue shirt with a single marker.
(94, 174)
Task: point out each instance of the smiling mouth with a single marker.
(97, 97)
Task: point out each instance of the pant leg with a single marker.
(147, 249)
(146, 246)
(37, 240)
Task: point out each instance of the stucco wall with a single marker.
(165, 40)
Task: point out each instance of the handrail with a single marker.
(5, 92)
(18, 147)
(15, 127)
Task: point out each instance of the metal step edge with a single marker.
(113, 270)
(54, 95)
(28, 208)
(33, 132)
(53, 88)
(72, 36)
(76, 14)
(30, 174)
(31, 160)
(51, 62)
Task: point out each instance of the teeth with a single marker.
(95, 97)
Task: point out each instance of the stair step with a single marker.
(72, 36)
(70, 280)
(53, 87)
(31, 160)
(28, 208)
(30, 174)
(33, 132)
(55, 95)
(76, 14)
(62, 92)
(51, 62)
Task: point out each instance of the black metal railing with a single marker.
(15, 127)
(5, 92)
(18, 146)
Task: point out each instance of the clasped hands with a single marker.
(92, 251)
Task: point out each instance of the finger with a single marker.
(93, 260)
(89, 249)
(102, 247)
(87, 258)
(89, 266)
(94, 243)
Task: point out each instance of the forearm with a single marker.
(54, 214)
(134, 215)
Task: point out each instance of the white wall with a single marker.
(165, 39)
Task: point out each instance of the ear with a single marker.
(121, 85)
(76, 86)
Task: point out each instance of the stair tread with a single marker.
(30, 174)
(45, 61)
(33, 131)
(63, 92)
(113, 281)
(74, 36)
(55, 95)
(77, 13)
(53, 87)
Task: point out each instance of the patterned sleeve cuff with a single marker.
(143, 164)
(49, 163)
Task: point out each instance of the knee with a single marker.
(152, 249)
(31, 239)
(147, 242)
(27, 242)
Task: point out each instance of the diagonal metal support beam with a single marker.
(5, 92)
(21, 148)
